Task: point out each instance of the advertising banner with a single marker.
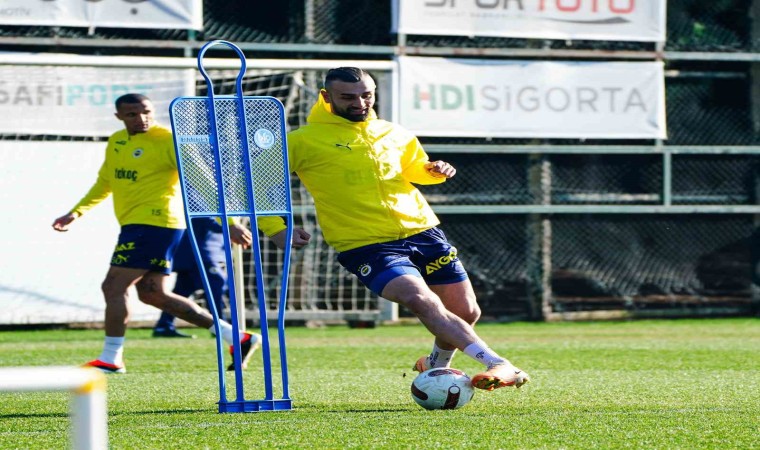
(51, 277)
(532, 99)
(618, 20)
(79, 101)
(172, 14)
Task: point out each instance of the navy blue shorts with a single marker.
(427, 254)
(146, 247)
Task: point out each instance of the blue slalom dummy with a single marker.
(233, 163)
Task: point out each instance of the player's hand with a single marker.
(440, 169)
(241, 235)
(300, 238)
(62, 223)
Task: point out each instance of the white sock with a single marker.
(113, 351)
(226, 329)
(440, 358)
(480, 352)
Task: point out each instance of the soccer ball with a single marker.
(443, 388)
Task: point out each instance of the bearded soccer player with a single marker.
(140, 171)
(362, 172)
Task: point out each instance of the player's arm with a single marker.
(417, 167)
(275, 229)
(300, 238)
(97, 193)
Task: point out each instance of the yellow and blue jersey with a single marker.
(141, 173)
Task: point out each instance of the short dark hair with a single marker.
(346, 74)
(131, 98)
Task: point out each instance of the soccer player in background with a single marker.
(140, 170)
(360, 171)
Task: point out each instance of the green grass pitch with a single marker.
(670, 384)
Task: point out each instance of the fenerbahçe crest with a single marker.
(365, 269)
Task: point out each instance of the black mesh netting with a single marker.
(613, 261)
(599, 261)
(636, 260)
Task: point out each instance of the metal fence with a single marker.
(547, 228)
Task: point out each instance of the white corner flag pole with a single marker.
(239, 271)
(89, 415)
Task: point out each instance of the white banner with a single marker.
(48, 276)
(79, 101)
(526, 99)
(173, 14)
(618, 20)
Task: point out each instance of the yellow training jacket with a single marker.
(360, 175)
(141, 173)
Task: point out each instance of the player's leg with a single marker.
(446, 277)
(184, 287)
(388, 270)
(213, 257)
(458, 298)
(127, 267)
(115, 292)
(395, 270)
(413, 293)
(153, 289)
(183, 264)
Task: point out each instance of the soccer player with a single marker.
(360, 171)
(140, 170)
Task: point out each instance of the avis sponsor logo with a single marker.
(440, 262)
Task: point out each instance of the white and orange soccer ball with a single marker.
(443, 388)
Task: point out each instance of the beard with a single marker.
(352, 115)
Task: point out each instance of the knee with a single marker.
(472, 314)
(149, 293)
(422, 304)
(112, 290)
(468, 309)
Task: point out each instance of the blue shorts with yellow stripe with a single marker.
(427, 254)
(146, 247)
